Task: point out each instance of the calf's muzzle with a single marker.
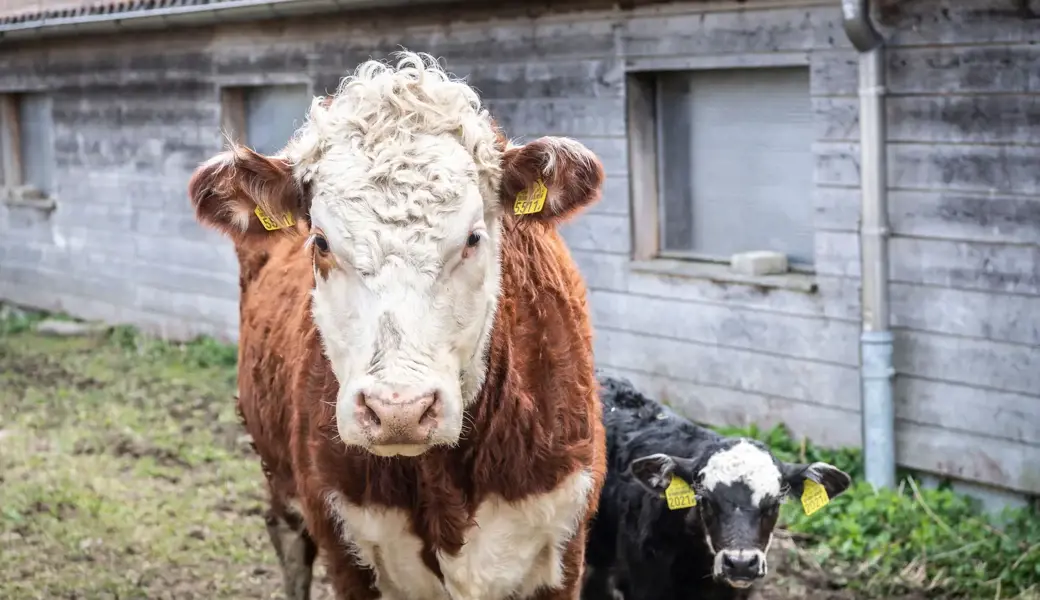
(740, 568)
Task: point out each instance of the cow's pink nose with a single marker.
(397, 419)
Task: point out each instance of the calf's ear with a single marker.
(654, 472)
(834, 480)
(240, 192)
(550, 179)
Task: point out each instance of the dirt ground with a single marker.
(124, 474)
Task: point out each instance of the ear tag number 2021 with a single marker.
(679, 494)
(814, 497)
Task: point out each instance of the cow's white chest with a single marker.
(514, 549)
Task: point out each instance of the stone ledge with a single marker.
(62, 328)
(27, 196)
(722, 273)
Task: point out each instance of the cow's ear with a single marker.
(240, 192)
(834, 480)
(654, 472)
(550, 179)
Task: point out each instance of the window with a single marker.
(265, 117)
(732, 166)
(26, 143)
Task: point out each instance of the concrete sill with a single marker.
(721, 273)
(27, 197)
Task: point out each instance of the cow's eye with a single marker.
(473, 240)
(321, 243)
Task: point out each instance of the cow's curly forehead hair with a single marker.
(383, 104)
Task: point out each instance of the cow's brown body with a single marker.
(536, 422)
(415, 356)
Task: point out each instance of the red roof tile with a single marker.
(20, 11)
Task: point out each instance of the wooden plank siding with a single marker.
(134, 114)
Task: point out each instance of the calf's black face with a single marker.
(739, 486)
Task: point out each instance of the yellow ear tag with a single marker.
(269, 223)
(531, 201)
(679, 495)
(814, 497)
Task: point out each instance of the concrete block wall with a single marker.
(134, 114)
(132, 118)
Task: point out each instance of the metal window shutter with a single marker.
(273, 113)
(737, 151)
(36, 141)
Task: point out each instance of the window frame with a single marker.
(233, 117)
(10, 141)
(14, 190)
(643, 144)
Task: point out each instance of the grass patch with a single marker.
(201, 353)
(911, 539)
(124, 472)
(16, 320)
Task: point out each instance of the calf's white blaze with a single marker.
(744, 462)
(402, 168)
(514, 549)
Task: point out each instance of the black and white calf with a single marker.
(685, 512)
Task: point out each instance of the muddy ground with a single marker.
(124, 474)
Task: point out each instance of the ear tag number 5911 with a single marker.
(531, 201)
(269, 223)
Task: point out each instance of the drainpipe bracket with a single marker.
(877, 338)
(876, 350)
(878, 231)
(877, 374)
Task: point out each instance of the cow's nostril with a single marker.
(728, 562)
(367, 413)
(432, 410)
(372, 416)
(752, 562)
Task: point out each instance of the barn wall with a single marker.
(965, 215)
(133, 116)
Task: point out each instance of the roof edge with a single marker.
(201, 14)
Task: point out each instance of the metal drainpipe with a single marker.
(876, 370)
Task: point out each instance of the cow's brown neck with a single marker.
(528, 429)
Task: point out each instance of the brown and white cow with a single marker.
(415, 361)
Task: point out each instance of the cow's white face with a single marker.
(404, 181)
(403, 170)
(406, 285)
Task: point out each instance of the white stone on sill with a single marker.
(756, 263)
